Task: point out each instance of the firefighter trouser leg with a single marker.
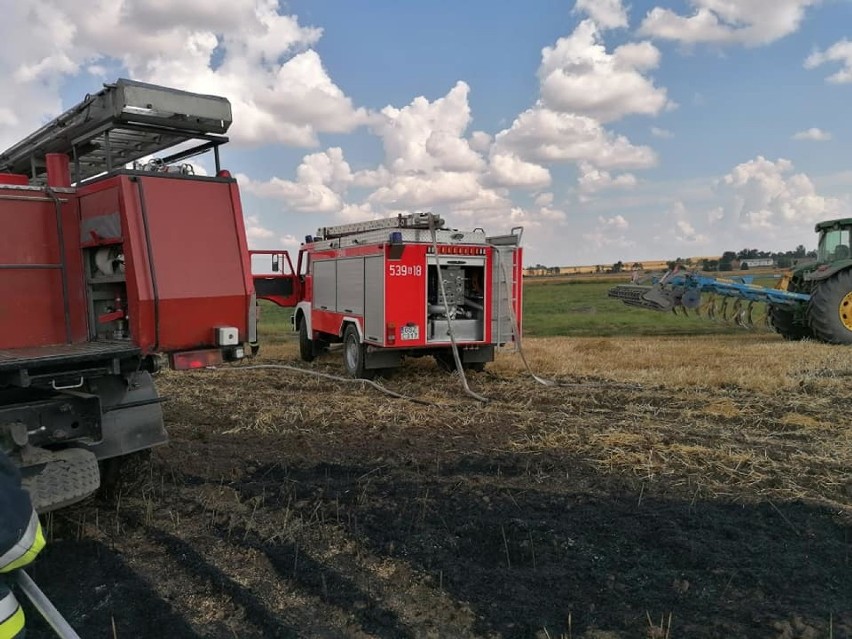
(11, 614)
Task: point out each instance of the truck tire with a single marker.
(830, 309)
(445, 360)
(783, 321)
(126, 473)
(61, 478)
(447, 363)
(306, 346)
(355, 354)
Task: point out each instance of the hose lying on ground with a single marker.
(336, 378)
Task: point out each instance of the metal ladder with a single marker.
(125, 121)
(410, 221)
(503, 321)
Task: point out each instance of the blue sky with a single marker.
(609, 130)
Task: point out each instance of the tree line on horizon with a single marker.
(729, 261)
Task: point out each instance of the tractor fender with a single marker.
(824, 272)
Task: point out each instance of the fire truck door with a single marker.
(275, 279)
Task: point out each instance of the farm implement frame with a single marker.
(813, 301)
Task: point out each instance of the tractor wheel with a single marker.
(306, 346)
(830, 309)
(783, 321)
(355, 354)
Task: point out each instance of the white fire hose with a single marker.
(44, 607)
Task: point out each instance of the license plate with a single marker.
(409, 332)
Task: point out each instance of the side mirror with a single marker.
(276, 263)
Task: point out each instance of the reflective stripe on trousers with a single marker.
(11, 615)
(23, 552)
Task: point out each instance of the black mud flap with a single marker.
(382, 358)
(132, 416)
(481, 354)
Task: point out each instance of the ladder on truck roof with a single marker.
(410, 221)
(123, 122)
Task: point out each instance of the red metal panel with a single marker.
(327, 321)
(32, 313)
(140, 295)
(33, 309)
(78, 305)
(198, 270)
(405, 293)
(58, 170)
(14, 178)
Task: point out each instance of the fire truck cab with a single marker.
(401, 287)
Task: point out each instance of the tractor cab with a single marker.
(835, 241)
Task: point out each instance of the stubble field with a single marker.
(669, 486)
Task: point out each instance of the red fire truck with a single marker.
(400, 287)
(110, 266)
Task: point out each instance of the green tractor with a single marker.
(827, 315)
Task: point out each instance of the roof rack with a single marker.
(125, 121)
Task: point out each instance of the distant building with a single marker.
(757, 262)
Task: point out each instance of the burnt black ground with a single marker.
(354, 528)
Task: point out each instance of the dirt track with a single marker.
(599, 510)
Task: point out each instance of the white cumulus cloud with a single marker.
(542, 135)
(321, 179)
(815, 134)
(746, 22)
(579, 76)
(684, 230)
(616, 222)
(762, 194)
(610, 232)
(244, 49)
(609, 14)
(841, 52)
(592, 180)
(427, 136)
(255, 230)
(507, 169)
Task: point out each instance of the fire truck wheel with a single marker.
(355, 354)
(445, 361)
(306, 346)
